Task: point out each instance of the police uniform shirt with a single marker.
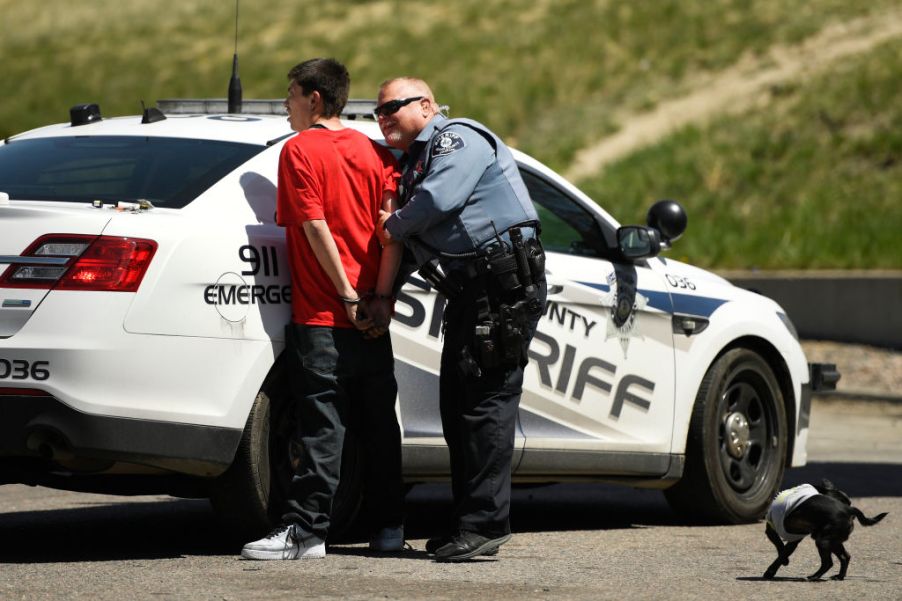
(458, 189)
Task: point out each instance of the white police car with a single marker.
(144, 289)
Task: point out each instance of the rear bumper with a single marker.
(44, 427)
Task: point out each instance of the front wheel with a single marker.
(736, 448)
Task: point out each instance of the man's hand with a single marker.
(380, 311)
(358, 316)
(383, 234)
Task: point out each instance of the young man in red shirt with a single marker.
(332, 183)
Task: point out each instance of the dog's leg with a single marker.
(783, 552)
(840, 551)
(823, 549)
(781, 560)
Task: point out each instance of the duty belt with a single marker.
(514, 267)
(511, 268)
(505, 284)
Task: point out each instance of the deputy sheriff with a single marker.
(467, 217)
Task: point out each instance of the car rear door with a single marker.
(223, 271)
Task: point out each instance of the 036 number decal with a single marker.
(679, 282)
(18, 369)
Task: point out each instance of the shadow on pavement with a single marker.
(554, 507)
(774, 579)
(174, 528)
(135, 530)
(587, 506)
(856, 479)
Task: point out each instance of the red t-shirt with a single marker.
(338, 176)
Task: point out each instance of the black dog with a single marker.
(821, 511)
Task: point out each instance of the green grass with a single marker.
(813, 181)
(551, 76)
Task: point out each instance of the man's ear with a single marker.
(316, 101)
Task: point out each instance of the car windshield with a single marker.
(169, 172)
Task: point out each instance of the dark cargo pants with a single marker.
(479, 416)
(334, 371)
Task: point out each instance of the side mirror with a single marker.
(669, 218)
(637, 242)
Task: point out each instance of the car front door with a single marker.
(598, 394)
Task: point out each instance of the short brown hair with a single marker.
(328, 77)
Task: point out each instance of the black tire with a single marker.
(241, 496)
(250, 495)
(736, 448)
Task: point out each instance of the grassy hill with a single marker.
(813, 179)
(807, 175)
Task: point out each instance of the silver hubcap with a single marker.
(737, 428)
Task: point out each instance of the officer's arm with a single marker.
(449, 183)
(391, 253)
(381, 307)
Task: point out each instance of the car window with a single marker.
(169, 172)
(566, 226)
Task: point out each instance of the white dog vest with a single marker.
(783, 504)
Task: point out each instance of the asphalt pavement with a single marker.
(571, 541)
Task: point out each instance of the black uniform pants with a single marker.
(479, 416)
(334, 371)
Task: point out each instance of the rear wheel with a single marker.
(250, 495)
(736, 449)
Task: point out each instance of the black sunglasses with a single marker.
(393, 106)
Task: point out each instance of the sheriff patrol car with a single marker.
(144, 289)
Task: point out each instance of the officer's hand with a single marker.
(384, 235)
(358, 317)
(380, 310)
(374, 332)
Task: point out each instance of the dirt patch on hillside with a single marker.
(739, 87)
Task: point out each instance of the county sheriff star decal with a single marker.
(625, 304)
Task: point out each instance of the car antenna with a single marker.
(235, 81)
(151, 115)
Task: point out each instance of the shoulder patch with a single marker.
(446, 143)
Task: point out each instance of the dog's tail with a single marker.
(866, 521)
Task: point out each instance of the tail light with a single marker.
(78, 262)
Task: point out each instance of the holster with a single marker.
(507, 298)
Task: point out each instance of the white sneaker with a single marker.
(287, 541)
(388, 539)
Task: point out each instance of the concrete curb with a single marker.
(845, 395)
(863, 307)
